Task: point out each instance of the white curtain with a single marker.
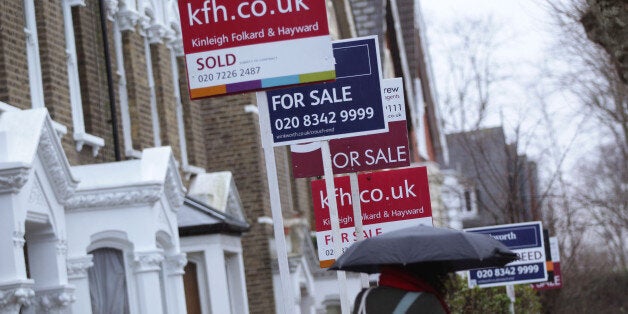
(107, 283)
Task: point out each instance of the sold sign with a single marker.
(237, 46)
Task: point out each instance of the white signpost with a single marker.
(350, 106)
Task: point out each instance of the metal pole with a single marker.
(335, 224)
(357, 217)
(280, 240)
(510, 291)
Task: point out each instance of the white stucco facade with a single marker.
(54, 216)
(135, 204)
(35, 183)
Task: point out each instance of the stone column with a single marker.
(15, 288)
(217, 279)
(47, 264)
(77, 276)
(12, 263)
(147, 268)
(174, 283)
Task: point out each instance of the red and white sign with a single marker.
(242, 45)
(390, 200)
(362, 153)
(557, 283)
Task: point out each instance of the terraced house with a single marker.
(118, 194)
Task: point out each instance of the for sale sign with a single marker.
(349, 106)
(362, 153)
(557, 281)
(243, 45)
(525, 239)
(390, 200)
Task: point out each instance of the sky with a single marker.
(527, 40)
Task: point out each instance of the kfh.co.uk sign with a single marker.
(236, 46)
(390, 200)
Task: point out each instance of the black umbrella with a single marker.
(453, 250)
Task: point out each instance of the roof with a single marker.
(198, 218)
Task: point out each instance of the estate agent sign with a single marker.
(525, 239)
(390, 200)
(349, 106)
(362, 153)
(242, 45)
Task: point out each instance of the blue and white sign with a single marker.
(525, 239)
(350, 106)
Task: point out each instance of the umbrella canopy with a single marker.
(453, 250)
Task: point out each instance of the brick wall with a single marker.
(302, 192)
(369, 17)
(13, 63)
(410, 36)
(192, 110)
(166, 102)
(138, 90)
(284, 178)
(53, 60)
(93, 80)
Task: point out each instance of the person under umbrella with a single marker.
(414, 288)
(413, 263)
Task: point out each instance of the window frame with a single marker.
(80, 136)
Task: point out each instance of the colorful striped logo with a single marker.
(262, 84)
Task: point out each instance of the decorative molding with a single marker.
(77, 267)
(156, 33)
(18, 239)
(62, 247)
(175, 264)
(175, 192)
(147, 261)
(56, 166)
(11, 300)
(153, 25)
(36, 199)
(111, 6)
(56, 300)
(175, 41)
(12, 180)
(97, 199)
(127, 19)
(145, 21)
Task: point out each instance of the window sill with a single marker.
(90, 140)
(132, 153)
